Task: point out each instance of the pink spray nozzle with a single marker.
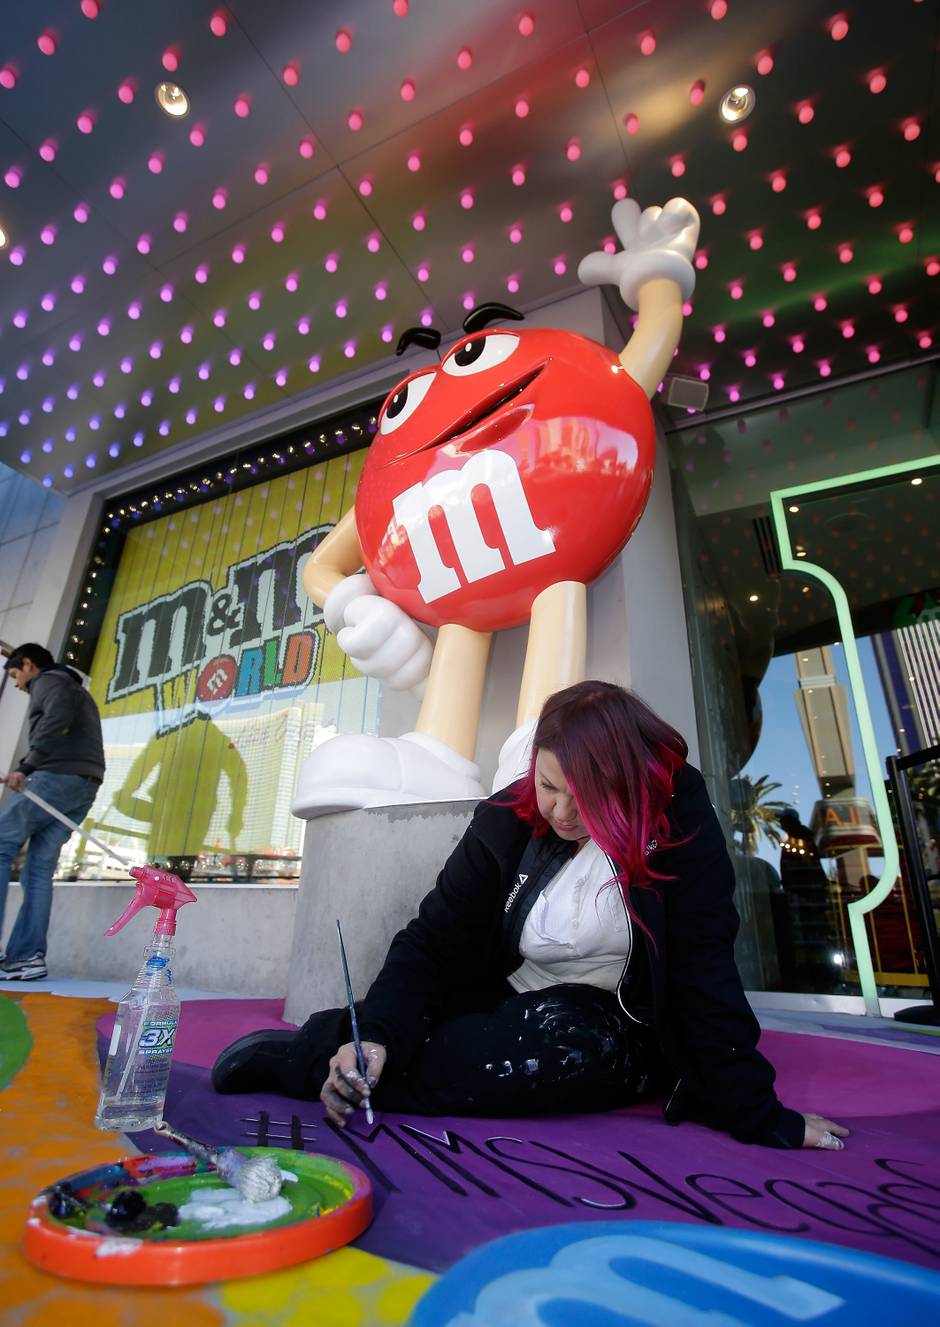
(157, 889)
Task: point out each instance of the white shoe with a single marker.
(514, 756)
(356, 770)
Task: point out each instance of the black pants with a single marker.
(567, 1048)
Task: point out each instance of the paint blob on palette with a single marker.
(202, 1230)
(653, 1272)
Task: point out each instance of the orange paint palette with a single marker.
(327, 1204)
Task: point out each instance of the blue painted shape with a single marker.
(670, 1274)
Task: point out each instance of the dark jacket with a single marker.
(681, 979)
(64, 726)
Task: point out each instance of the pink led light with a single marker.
(739, 140)
(186, 335)
(268, 341)
(900, 314)
(777, 381)
(697, 92)
(291, 75)
(155, 350)
(365, 186)
(242, 106)
(427, 318)
(278, 232)
(764, 62)
(8, 77)
(842, 157)
(566, 212)
(235, 357)
(191, 415)
(331, 262)
(820, 303)
(788, 272)
(582, 77)
(407, 90)
(381, 291)
(846, 253)
(303, 327)
(261, 175)
(144, 244)
(813, 220)
(838, 27)
(354, 120)
(18, 256)
(75, 345)
(47, 303)
(291, 282)
(719, 205)
(797, 344)
(465, 137)
(133, 310)
(515, 234)
(805, 112)
(464, 57)
(414, 162)
(466, 199)
(117, 189)
(825, 368)
(306, 148)
(911, 130)
(155, 163)
(719, 334)
(521, 108)
(736, 290)
(48, 149)
(47, 234)
(925, 340)
(219, 199)
(848, 330)
(518, 176)
(778, 182)
(632, 122)
(877, 82)
(47, 42)
(526, 25)
(767, 318)
(197, 135)
(180, 222)
(218, 23)
(620, 190)
(873, 354)
(313, 364)
(109, 265)
(677, 167)
(218, 405)
(704, 373)
(875, 197)
(343, 40)
(905, 234)
(203, 372)
(349, 349)
(319, 211)
(85, 122)
(281, 377)
(755, 240)
(238, 253)
(12, 177)
(48, 358)
(170, 59)
(466, 253)
(718, 9)
(254, 301)
(202, 274)
(341, 309)
(374, 242)
(423, 272)
(418, 221)
(559, 267)
(400, 8)
(20, 319)
(932, 266)
(647, 43)
(512, 285)
(77, 285)
(572, 149)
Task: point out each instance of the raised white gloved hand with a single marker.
(657, 243)
(381, 640)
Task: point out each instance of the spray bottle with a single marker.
(138, 1065)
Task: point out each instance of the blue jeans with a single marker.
(21, 819)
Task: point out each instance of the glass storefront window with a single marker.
(213, 671)
(781, 743)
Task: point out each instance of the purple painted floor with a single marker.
(444, 1186)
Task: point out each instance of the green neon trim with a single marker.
(857, 909)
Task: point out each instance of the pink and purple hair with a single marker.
(620, 760)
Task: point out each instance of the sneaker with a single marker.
(24, 969)
(253, 1063)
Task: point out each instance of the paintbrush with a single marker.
(355, 1023)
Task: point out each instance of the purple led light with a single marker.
(163, 428)
(22, 372)
(47, 446)
(341, 309)
(75, 343)
(99, 378)
(180, 222)
(69, 471)
(387, 333)
(427, 318)
(47, 481)
(313, 363)
(70, 435)
(349, 349)
(203, 372)
(218, 405)
(109, 266)
(291, 282)
(114, 449)
(423, 272)
(166, 292)
(249, 391)
(146, 397)
(191, 415)
(91, 461)
(133, 310)
(25, 458)
(235, 357)
(331, 262)
(47, 234)
(219, 317)
(104, 327)
(24, 417)
(143, 244)
(381, 291)
(126, 364)
(81, 213)
(48, 302)
(374, 242)
(238, 253)
(173, 386)
(303, 326)
(120, 410)
(18, 256)
(281, 377)
(277, 233)
(201, 274)
(77, 284)
(13, 177)
(254, 301)
(468, 301)
(20, 318)
(186, 335)
(138, 440)
(156, 350)
(48, 405)
(95, 423)
(319, 211)
(268, 341)
(48, 358)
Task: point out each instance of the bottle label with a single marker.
(157, 1036)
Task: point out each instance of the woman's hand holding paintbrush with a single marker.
(345, 1089)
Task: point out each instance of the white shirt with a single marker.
(578, 929)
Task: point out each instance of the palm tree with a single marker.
(753, 814)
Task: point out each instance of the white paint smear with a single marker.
(118, 1247)
(219, 1209)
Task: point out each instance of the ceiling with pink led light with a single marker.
(350, 167)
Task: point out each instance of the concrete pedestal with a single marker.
(370, 869)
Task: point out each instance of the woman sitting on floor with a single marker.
(576, 953)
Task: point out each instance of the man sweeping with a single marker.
(64, 765)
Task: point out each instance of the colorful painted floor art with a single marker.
(444, 1187)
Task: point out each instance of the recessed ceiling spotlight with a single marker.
(172, 99)
(737, 104)
(3, 238)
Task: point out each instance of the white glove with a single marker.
(381, 640)
(657, 244)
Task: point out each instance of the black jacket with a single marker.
(682, 980)
(64, 726)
